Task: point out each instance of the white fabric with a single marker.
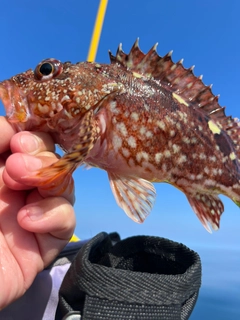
(57, 274)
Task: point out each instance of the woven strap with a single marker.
(142, 277)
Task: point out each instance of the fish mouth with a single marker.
(14, 101)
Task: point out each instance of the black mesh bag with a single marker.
(142, 278)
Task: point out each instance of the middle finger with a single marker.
(32, 142)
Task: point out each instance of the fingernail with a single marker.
(32, 163)
(34, 213)
(29, 143)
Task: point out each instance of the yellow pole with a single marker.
(97, 30)
(93, 48)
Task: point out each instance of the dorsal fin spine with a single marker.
(174, 77)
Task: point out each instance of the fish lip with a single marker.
(14, 102)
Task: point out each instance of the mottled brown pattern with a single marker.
(142, 118)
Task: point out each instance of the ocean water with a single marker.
(213, 304)
(219, 296)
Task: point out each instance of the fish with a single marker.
(142, 118)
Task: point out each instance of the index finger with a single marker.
(6, 133)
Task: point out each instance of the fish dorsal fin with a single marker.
(175, 78)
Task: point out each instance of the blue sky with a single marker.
(204, 33)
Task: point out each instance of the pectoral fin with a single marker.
(135, 196)
(208, 208)
(58, 175)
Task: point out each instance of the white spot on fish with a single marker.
(193, 140)
(113, 107)
(161, 125)
(176, 148)
(186, 140)
(134, 116)
(114, 120)
(178, 126)
(132, 142)
(122, 128)
(170, 120)
(158, 157)
(142, 155)
(142, 130)
(117, 142)
(126, 152)
(209, 182)
(182, 116)
(149, 134)
(206, 170)
(167, 153)
(224, 159)
(202, 156)
(212, 158)
(172, 133)
(182, 159)
(77, 111)
(126, 114)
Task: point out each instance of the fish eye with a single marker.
(47, 69)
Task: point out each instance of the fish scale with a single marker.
(142, 118)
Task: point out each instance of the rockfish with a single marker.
(142, 118)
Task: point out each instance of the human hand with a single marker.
(35, 225)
